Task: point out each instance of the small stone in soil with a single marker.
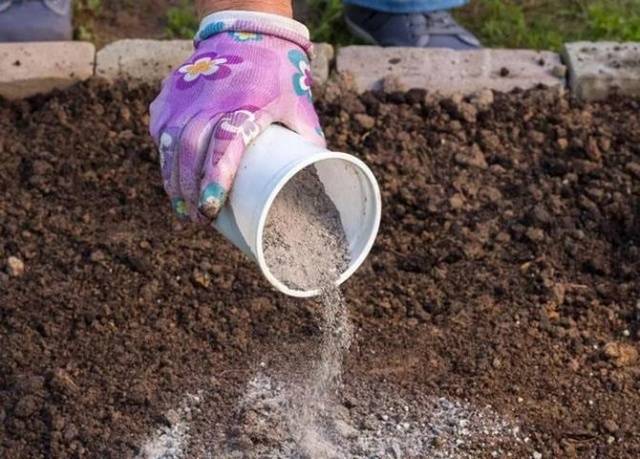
(15, 266)
(610, 426)
(620, 354)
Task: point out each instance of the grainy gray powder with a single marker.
(305, 247)
(304, 243)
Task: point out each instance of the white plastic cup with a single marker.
(268, 164)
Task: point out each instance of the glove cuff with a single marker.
(254, 22)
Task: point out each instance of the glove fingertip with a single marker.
(212, 199)
(180, 208)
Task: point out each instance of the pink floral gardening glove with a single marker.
(249, 70)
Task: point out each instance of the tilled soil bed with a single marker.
(497, 315)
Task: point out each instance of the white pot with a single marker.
(268, 164)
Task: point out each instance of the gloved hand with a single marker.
(249, 70)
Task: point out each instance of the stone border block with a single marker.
(139, 60)
(449, 72)
(321, 62)
(596, 69)
(149, 61)
(40, 67)
(599, 69)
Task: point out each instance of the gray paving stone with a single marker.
(32, 68)
(598, 69)
(151, 60)
(141, 60)
(449, 72)
(321, 62)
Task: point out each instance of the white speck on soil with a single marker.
(169, 441)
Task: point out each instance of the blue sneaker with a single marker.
(436, 29)
(35, 20)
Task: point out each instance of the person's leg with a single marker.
(420, 23)
(35, 20)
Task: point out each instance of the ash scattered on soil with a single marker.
(391, 427)
(170, 440)
(506, 273)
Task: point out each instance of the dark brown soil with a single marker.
(506, 273)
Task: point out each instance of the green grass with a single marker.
(536, 24)
(182, 21)
(547, 24)
(326, 23)
(85, 13)
(622, 24)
